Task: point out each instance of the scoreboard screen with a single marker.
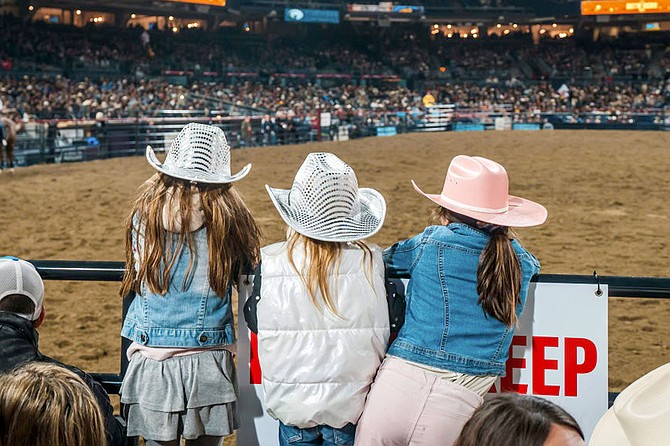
(201, 2)
(614, 7)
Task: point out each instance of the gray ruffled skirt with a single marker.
(188, 396)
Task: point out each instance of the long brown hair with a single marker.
(44, 404)
(499, 271)
(322, 259)
(510, 419)
(233, 236)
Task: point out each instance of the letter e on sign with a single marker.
(541, 364)
(507, 382)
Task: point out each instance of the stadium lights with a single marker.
(436, 26)
(448, 26)
(31, 7)
(506, 32)
(473, 31)
(450, 35)
(571, 30)
(78, 12)
(553, 25)
(515, 26)
(175, 29)
(498, 26)
(171, 18)
(133, 15)
(563, 35)
(542, 31)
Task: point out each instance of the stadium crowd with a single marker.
(59, 97)
(63, 72)
(411, 54)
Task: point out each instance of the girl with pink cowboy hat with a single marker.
(469, 281)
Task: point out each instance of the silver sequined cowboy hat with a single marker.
(325, 202)
(200, 153)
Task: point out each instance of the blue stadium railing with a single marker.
(73, 270)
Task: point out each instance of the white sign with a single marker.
(503, 123)
(326, 120)
(559, 352)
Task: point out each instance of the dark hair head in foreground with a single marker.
(511, 419)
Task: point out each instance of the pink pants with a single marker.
(411, 406)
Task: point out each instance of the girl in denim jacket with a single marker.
(188, 236)
(320, 309)
(469, 281)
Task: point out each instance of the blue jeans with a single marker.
(321, 435)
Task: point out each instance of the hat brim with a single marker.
(520, 213)
(609, 432)
(364, 224)
(192, 174)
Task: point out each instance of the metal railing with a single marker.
(618, 286)
(57, 141)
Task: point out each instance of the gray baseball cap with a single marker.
(20, 277)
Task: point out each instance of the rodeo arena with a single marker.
(329, 222)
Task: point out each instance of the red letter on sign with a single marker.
(572, 369)
(255, 374)
(540, 364)
(506, 384)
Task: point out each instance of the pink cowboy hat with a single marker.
(479, 188)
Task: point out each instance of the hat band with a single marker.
(474, 208)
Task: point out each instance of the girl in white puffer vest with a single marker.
(320, 307)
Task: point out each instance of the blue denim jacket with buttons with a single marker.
(186, 316)
(445, 326)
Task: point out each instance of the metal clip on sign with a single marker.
(598, 292)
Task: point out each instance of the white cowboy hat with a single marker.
(479, 188)
(326, 204)
(640, 415)
(200, 154)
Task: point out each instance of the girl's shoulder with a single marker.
(274, 249)
(525, 255)
(373, 247)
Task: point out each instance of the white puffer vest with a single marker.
(317, 367)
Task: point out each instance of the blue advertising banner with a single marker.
(299, 15)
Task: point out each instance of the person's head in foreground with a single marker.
(21, 290)
(511, 419)
(47, 405)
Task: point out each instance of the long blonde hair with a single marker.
(233, 236)
(45, 404)
(499, 271)
(322, 259)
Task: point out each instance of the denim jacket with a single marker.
(445, 326)
(190, 316)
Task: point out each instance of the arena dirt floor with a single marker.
(606, 192)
